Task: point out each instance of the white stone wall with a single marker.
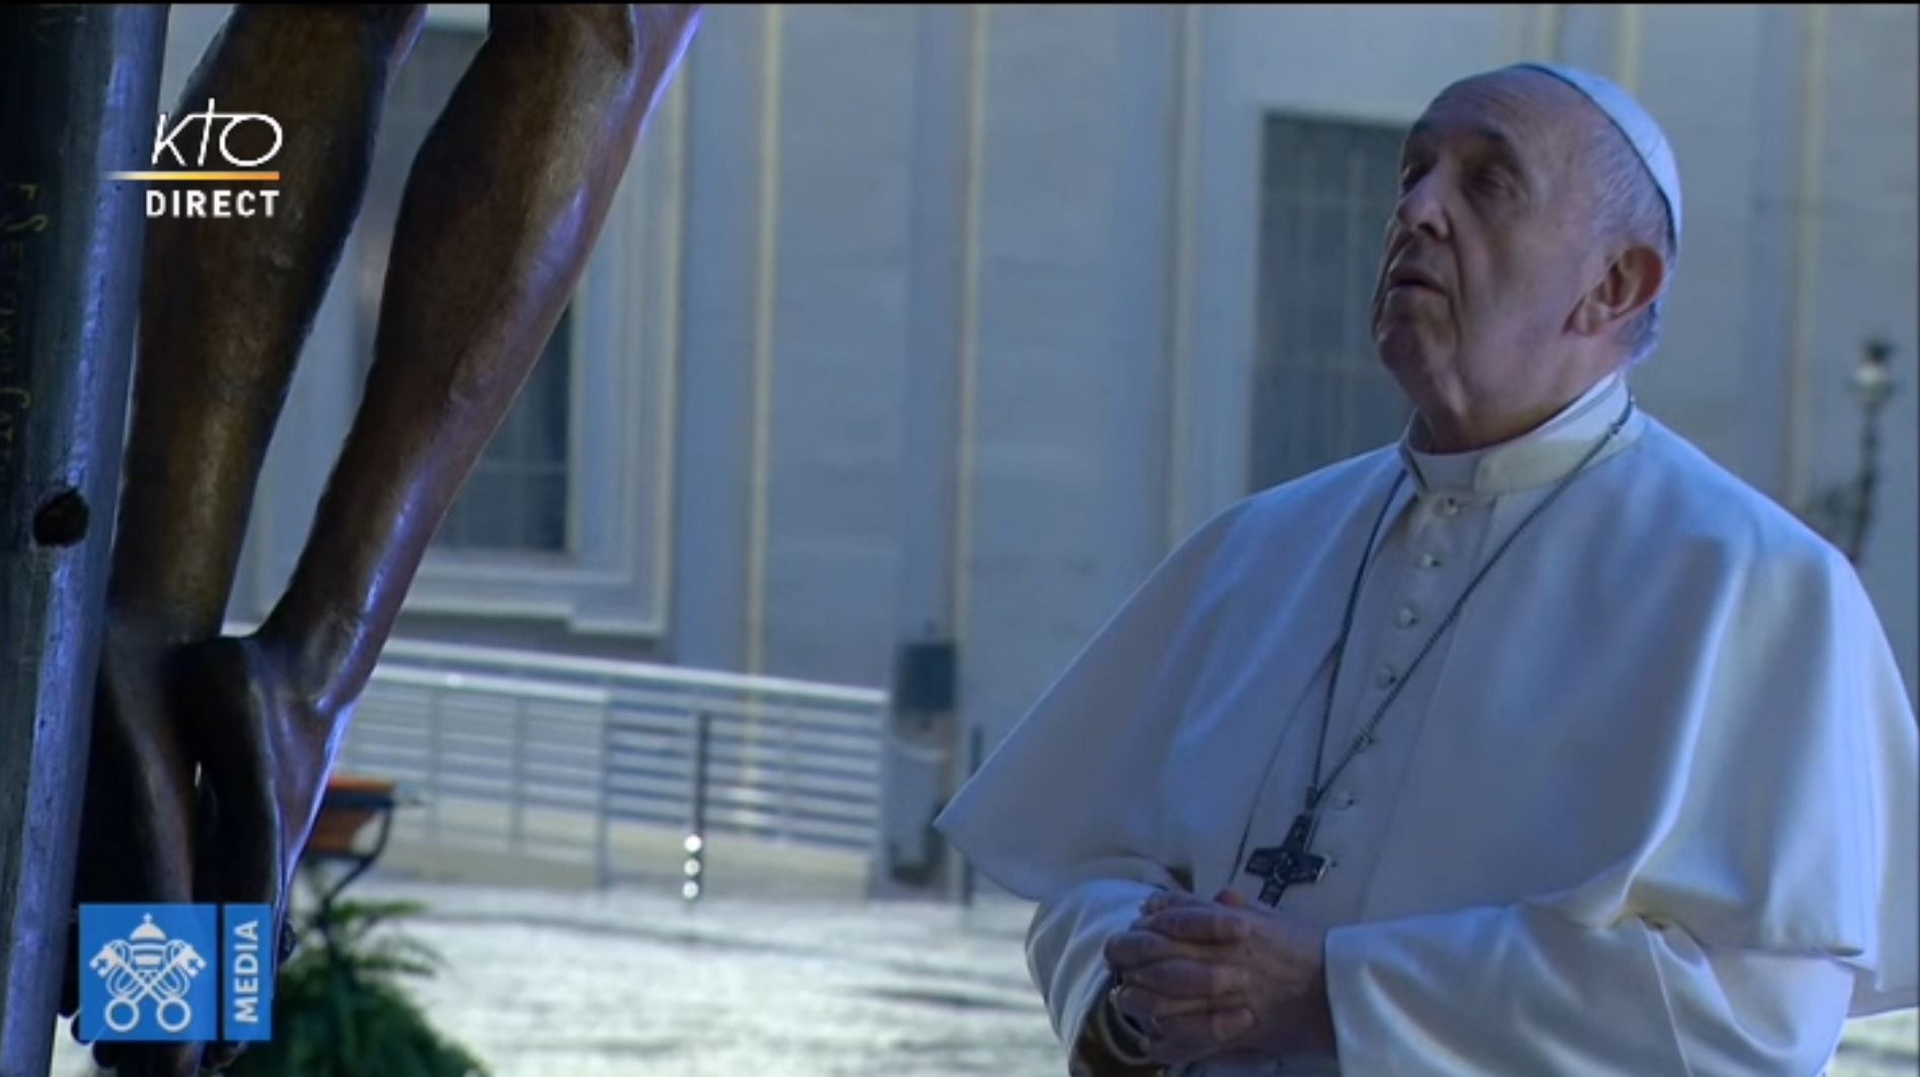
(1866, 263)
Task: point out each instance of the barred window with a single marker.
(1320, 394)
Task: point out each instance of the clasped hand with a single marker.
(1215, 980)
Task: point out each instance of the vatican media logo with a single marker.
(174, 141)
(150, 976)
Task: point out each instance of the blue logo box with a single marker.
(176, 973)
(148, 973)
(246, 1015)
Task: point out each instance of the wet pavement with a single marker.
(636, 983)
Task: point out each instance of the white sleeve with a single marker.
(1522, 990)
(1067, 940)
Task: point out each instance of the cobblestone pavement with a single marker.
(634, 983)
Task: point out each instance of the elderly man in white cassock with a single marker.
(1536, 744)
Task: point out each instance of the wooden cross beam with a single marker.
(79, 91)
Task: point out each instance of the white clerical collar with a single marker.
(1538, 457)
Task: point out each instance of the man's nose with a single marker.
(1420, 209)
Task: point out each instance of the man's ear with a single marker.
(1632, 282)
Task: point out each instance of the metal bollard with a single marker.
(696, 844)
(976, 753)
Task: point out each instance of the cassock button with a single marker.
(1427, 560)
(1406, 618)
(1343, 801)
(1449, 507)
(1386, 677)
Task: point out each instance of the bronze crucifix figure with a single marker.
(210, 753)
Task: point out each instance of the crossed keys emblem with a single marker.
(147, 965)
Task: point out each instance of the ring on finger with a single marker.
(1150, 1027)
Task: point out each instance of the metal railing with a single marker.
(601, 762)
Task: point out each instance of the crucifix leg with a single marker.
(503, 206)
(225, 308)
(501, 211)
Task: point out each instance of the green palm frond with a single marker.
(340, 1009)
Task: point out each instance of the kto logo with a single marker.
(150, 977)
(215, 132)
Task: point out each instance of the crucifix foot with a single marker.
(265, 751)
(139, 798)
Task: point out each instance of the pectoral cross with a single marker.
(1281, 866)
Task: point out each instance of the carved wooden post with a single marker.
(79, 86)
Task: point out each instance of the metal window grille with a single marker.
(1327, 190)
